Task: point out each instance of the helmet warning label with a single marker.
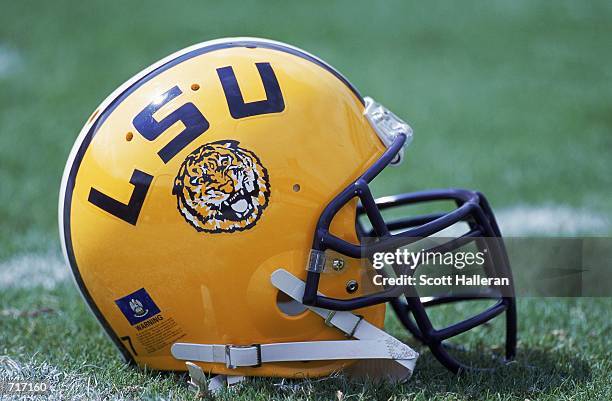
(155, 331)
(158, 332)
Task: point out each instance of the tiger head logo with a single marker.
(221, 187)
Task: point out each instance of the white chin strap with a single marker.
(393, 359)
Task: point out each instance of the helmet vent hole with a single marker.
(129, 136)
(296, 188)
(288, 305)
(195, 87)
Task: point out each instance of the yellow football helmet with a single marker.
(208, 212)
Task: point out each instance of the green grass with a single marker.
(513, 98)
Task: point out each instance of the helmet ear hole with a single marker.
(288, 305)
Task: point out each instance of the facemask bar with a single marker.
(497, 264)
(472, 208)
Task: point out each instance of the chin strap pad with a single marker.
(395, 360)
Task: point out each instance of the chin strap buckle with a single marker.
(352, 332)
(349, 332)
(242, 355)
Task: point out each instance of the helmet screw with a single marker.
(338, 264)
(351, 286)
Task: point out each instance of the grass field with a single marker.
(512, 98)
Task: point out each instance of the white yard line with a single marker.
(33, 270)
(552, 220)
(9, 61)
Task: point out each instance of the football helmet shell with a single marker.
(133, 219)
